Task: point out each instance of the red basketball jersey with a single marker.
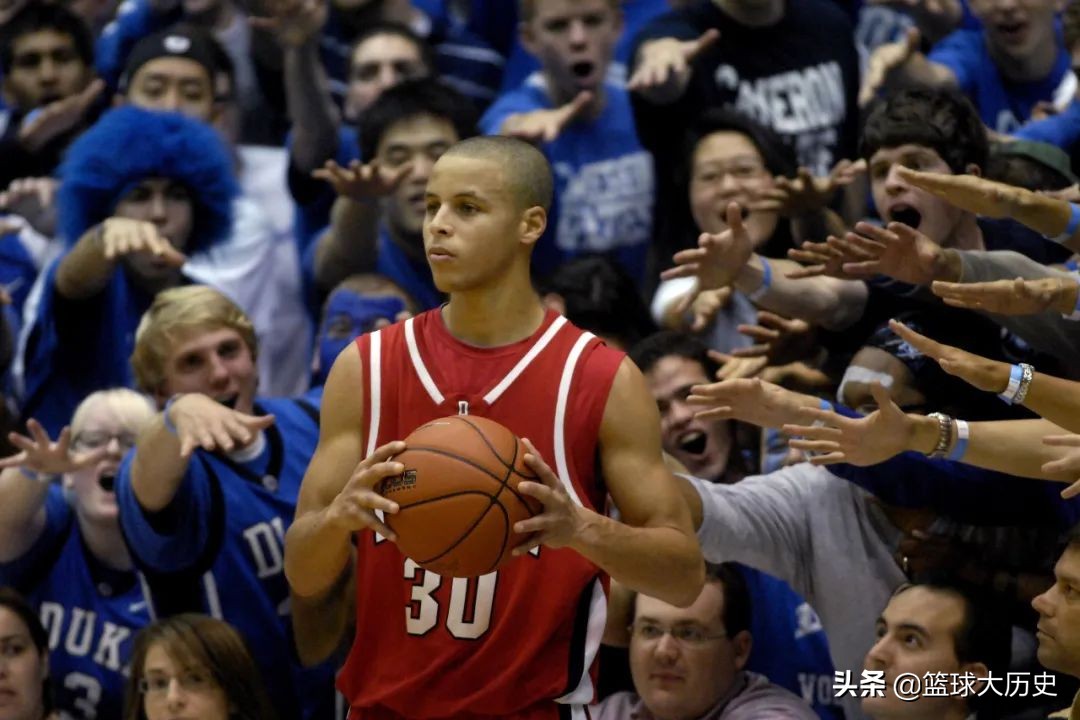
(433, 647)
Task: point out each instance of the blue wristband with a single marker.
(1070, 229)
(766, 281)
(961, 441)
(165, 413)
(1016, 373)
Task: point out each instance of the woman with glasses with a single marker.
(194, 666)
(25, 683)
(61, 546)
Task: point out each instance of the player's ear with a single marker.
(533, 223)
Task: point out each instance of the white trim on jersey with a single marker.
(561, 465)
(148, 595)
(418, 364)
(213, 599)
(526, 359)
(583, 693)
(374, 394)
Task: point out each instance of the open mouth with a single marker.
(907, 215)
(229, 401)
(693, 442)
(582, 69)
(107, 482)
(1011, 31)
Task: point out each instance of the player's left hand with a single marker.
(560, 522)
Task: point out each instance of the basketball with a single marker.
(458, 499)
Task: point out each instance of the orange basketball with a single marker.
(458, 499)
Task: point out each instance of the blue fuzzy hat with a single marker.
(128, 145)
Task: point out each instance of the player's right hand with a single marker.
(354, 507)
(123, 236)
(664, 66)
(203, 422)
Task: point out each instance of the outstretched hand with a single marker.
(1011, 297)
(40, 454)
(983, 373)
(869, 440)
(716, 261)
(360, 182)
(544, 126)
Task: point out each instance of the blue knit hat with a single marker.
(128, 145)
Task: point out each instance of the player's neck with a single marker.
(105, 541)
(493, 317)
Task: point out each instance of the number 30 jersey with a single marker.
(527, 634)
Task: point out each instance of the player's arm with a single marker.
(654, 551)
(337, 496)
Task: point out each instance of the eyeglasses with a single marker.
(193, 681)
(685, 634)
(95, 440)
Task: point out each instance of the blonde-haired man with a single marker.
(212, 484)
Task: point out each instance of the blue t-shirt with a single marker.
(218, 548)
(78, 346)
(91, 614)
(411, 275)
(790, 647)
(1062, 130)
(1003, 105)
(604, 184)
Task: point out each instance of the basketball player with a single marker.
(519, 642)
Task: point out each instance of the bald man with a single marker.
(517, 642)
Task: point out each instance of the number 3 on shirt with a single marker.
(471, 599)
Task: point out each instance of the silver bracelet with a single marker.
(945, 425)
(1028, 373)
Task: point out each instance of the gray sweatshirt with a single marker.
(753, 698)
(1047, 332)
(826, 537)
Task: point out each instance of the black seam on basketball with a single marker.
(456, 493)
(470, 463)
(484, 437)
(468, 530)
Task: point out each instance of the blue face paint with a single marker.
(348, 316)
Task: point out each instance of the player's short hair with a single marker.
(132, 408)
(200, 641)
(12, 601)
(412, 99)
(423, 49)
(941, 119)
(527, 172)
(176, 312)
(667, 343)
(528, 8)
(39, 17)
